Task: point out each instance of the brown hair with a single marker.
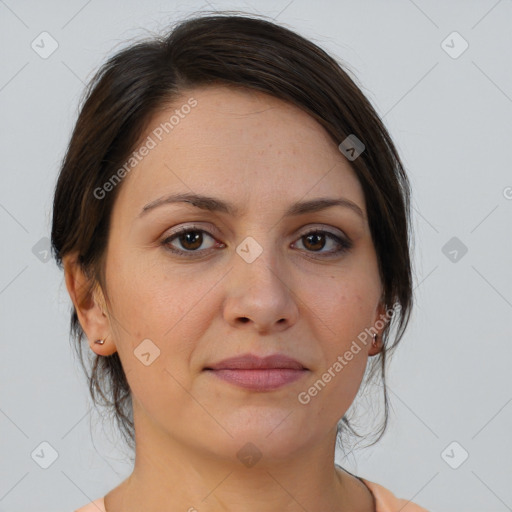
(222, 49)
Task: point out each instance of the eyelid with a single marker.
(311, 229)
(328, 229)
(193, 227)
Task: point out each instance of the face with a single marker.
(189, 286)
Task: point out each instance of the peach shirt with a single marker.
(385, 501)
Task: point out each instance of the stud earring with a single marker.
(374, 342)
(100, 342)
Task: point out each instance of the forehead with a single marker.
(238, 143)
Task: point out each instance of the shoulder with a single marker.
(95, 506)
(386, 501)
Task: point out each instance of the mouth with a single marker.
(258, 374)
(254, 362)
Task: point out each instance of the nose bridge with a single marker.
(257, 262)
(258, 291)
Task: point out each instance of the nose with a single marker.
(258, 296)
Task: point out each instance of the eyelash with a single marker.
(344, 245)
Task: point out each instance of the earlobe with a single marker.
(376, 346)
(89, 304)
(380, 323)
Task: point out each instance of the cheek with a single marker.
(158, 323)
(344, 305)
(172, 308)
(145, 300)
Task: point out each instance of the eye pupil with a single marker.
(191, 237)
(316, 237)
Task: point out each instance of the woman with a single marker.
(232, 219)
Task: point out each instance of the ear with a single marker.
(90, 306)
(380, 322)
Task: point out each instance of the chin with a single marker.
(261, 443)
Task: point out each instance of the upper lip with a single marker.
(252, 361)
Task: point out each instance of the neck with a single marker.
(170, 475)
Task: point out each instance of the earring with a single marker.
(100, 342)
(374, 342)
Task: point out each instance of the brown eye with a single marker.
(188, 240)
(191, 240)
(315, 241)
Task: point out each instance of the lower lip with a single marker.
(260, 380)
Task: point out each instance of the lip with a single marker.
(254, 362)
(258, 373)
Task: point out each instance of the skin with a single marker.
(261, 154)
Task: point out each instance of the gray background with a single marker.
(451, 118)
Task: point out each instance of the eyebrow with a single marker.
(213, 204)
